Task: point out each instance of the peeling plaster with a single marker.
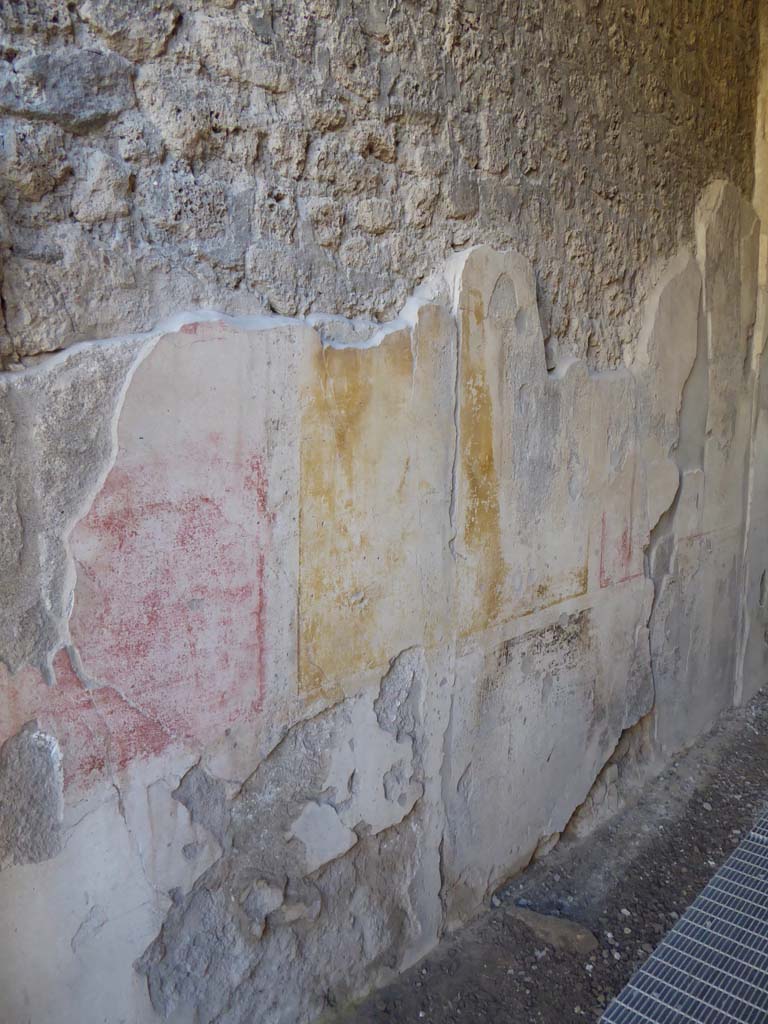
(366, 616)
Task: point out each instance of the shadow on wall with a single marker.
(339, 634)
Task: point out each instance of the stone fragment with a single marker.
(327, 220)
(195, 116)
(232, 50)
(33, 158)
(557, 931)
(496, 136)
(275, 214)
(102, 194)
(374, 215)
(137, 29)
(271, 271)
(462, 197)
(31, 797)
(137, 141)
(420, 200)
(288, 146)
(183, 204)
(332, 162)
(351, 64)
(376, 140)
(75, 88)
(36, 19)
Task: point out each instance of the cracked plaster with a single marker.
(298, 752)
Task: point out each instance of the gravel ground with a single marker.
(626, 883)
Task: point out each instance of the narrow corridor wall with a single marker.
(326, 611)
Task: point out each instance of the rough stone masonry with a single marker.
(383, 430)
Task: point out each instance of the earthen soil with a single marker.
(627, 883)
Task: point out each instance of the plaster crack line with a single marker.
(456, 442)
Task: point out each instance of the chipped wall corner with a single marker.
(316, 626)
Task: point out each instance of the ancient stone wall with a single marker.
(313, 155)
(315, 628)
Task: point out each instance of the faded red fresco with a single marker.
(98, 731)
(169, 618)
(171, 610)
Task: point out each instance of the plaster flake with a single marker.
(322, 834)
(58, 446)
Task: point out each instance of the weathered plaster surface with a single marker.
(57, 443)
(302, 155)
(314, 636)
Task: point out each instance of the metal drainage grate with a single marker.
(712, 967)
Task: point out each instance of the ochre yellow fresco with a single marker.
(368, 425)
(489, 529)
(480, 482)
(377, 572)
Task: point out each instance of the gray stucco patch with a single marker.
(31, 797)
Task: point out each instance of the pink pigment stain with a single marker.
(170, 610)
(99, 733)
(169, 615)
(619, 554)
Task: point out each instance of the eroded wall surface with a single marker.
(326, 155)
(309, 645)
(323, 614)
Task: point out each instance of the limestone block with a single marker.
(375, 215)
(102, 193)
(77, 89)
(327, 220)
(33, 158)
(137, 30)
